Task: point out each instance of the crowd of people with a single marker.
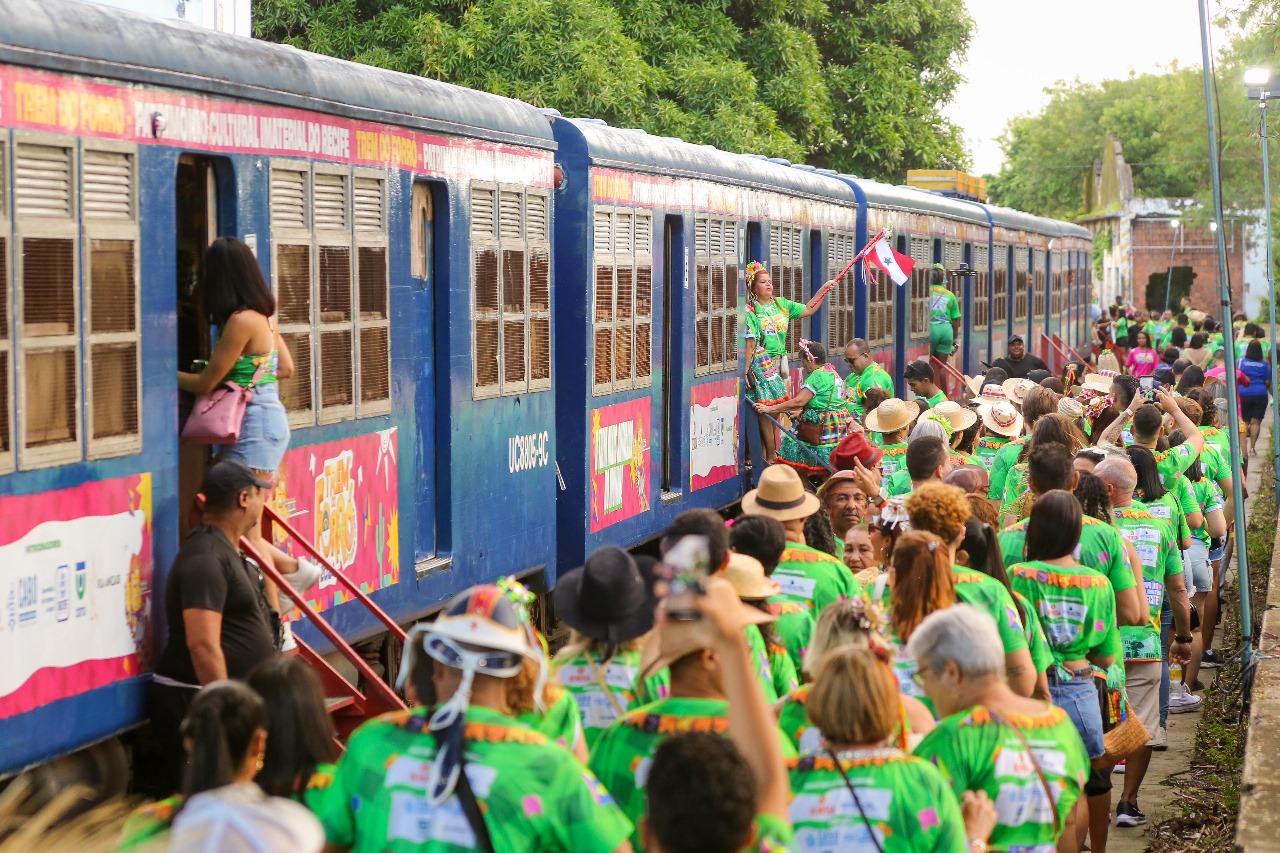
(935, 624)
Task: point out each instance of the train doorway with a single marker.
(196, 214)
(674, 281)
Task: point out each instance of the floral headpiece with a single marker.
(523, 598)
(804, 346)
(752, 269)
(893, 514)
(868, 614)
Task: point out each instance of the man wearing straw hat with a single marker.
(1035, 401)
(889, 423)
(864, 373)
(1001, 423)
(807, 576)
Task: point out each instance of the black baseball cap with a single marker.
(1017, 338)
(224, 481)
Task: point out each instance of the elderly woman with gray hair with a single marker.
(1025, 754)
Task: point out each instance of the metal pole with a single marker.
(1224, 288)
(1168, 279)
(1271, 294)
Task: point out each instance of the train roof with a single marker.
(77, 37)
(917, 200)
(630, 148)
(1016, 220)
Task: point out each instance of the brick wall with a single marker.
(1196, 249)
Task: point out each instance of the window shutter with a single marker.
(106, 189)
(288, 199)
(42, 181)
(330, 202)
(369, 213)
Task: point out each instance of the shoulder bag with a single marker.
(218, 416)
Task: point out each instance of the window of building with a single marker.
(511, 293)
(842, 301)
(981, 286)
(716, 318)
(921, 252)
(622, 330)
(786, 266)
(1020, 283)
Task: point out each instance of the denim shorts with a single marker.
(1079, 698)
(264, 434)
(1195, 567)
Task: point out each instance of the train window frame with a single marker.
(290, 331)
(842, 304)
(610, 252)
(32, 227)
(1038, 284)
(1021, 281)
(422, 231)
(371, 237)
(726, 315)
(982, 289)
(124, 229)
(952, 257)
(336, 237)
(920, 249)
(7, 284)
(1056, 280)
(791, 283)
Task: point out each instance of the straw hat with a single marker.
(1073, 409)
(991, 394)
(780, 495)
(1016, 389)
(1001, 418)
(975, 384)
(957, 415)
(746, 573)
(1101, 381)
(892, 415)
(1107, 361)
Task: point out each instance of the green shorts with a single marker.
(942, 338)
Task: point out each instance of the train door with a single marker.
(968, 326)
(426, 264)
(674, 283)
(200, 210)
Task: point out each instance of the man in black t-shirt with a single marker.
(215, 604)
(1018, 363)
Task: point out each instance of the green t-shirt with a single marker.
(940, 397)
(894, 459)
(826, 389)
(812, 578)
(856, 386)
(624, 753)
(908, 803)
(1101, 548)
(561, 723)
(985, 451)
(1016, 500)
(1209, 497)
(1214, 465)
(774, 669)
(1173, 507)
(978, 751)
(1041, 656)
(1221, 441)
(794, 626)
(1005, 457)
(767, 324)
(147, 825)
(1174, 461)
(1076, 606)
(793, 720)
(899, 484)
(770, 834)
(1152, 538)
(943, 305)
(535, 795)
(591, 685)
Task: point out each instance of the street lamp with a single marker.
(1168, 280)
(1260, 85)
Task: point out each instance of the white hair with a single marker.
(962, 634)
(929, 426)
(1119, 472)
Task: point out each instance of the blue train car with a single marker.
(405, 226)
(652, 236)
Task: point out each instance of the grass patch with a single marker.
(1209, 791)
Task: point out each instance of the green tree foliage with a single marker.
(854, 85)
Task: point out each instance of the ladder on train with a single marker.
(348, 704)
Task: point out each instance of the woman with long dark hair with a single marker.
(301, 740)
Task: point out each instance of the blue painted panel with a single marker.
(61, 727)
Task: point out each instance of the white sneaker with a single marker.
(289, 643)
(1185, 704)
(307, 575)
(1160, 740)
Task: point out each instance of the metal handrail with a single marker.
(1069, 348)
(373, 684)
(271, 517)
(1061, 353)
(948, 368)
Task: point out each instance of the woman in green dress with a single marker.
(768, 317)
(822, 416)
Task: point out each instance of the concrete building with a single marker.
(1140, 239)
(226, 16)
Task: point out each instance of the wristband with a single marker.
(1186, 639)
(977, 845)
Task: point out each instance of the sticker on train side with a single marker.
(619, 462)
(713, 439)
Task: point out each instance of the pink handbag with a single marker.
(218, 416)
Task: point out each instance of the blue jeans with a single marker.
(1079, 698)
(1166, 631)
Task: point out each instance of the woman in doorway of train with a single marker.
(822, 414)
(251, 353)
(768, 317)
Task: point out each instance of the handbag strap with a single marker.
(857, 802)
(1044, 782)
(598, 672)
(467, 799)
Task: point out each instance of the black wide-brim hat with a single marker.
(606, 599)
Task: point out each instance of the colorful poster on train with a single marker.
(619, 462)
(75, 576)
(343, 497)
(713, 437)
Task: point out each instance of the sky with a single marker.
(1021, 46)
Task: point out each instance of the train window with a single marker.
(44, 193)
(373, 318)
(981, 286)
(1038, 284)
(1020, 283)
(953, 256)
(1056, 292)
(623, 300)
(511, 252)
(842, 303)
(922, 254)
(111, 285)
(786, 266)
(1000, 286)
(333, 297)
(716, 314)
(291, 276)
